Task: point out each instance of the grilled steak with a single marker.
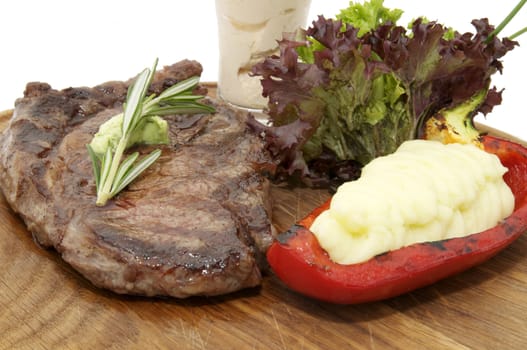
(197, 222)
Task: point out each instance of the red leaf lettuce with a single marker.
(362, 96)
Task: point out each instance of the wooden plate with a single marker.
(45, 304)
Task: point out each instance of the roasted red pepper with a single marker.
(298, 260)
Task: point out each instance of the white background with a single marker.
(74, 43)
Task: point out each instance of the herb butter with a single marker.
(425, 191)
(152, 130)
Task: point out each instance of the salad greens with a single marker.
(112, 174)
(350, 89)
(369, 16)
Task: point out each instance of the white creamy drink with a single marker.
(248, 32)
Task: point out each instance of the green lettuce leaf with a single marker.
(368, 15)
(361, 96)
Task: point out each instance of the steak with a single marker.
(197, 222)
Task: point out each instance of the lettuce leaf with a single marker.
(365, 17)
(360, 95)
(369, 15)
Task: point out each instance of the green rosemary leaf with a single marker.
(182, 108)
(148, 99)
(106, 163)
(135, 98)
(133, 173)
(125, 166)
(182, 98)
(96, 166)
(180, 87)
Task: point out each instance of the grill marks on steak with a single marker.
(196, 223)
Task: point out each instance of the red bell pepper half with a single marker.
(298, 260)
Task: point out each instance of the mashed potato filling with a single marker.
(425, 191)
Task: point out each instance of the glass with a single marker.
(248, 32)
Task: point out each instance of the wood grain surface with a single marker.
(45, 304)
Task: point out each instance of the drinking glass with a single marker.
(248, 32)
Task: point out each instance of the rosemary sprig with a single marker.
(111, 174)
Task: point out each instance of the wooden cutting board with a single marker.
(45, 304)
